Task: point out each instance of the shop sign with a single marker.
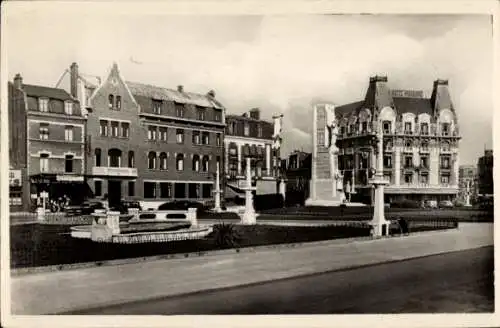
(69, 178)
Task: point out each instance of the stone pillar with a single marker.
(217, 191)
(379, 222)
(239, 159)
(226, 158)
(397, 165)
(467, 193)
(268, 159)
(192, 217)
(113, 222)
(249, 216)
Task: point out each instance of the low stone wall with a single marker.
(158, 237)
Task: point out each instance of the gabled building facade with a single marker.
(47, 141)
(421, 139)
(152, 143)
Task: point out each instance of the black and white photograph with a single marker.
(195, 161)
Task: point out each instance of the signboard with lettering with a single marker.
(15, 178)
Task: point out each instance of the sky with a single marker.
(279, 63)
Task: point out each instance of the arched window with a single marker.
(179, 162)
(204, 163)
(115, 157)
(111, 101)
(151, 160)
(131, 159)
(196, 163)
(97, 156)
(445, 146)
(163, 161)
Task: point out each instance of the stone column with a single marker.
(249, 216)
(113, 222)
(226, 158)
(192, 217)
(397, 165)
(268, 159)
(217, 190)
(239, 159)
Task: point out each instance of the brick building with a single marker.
(150, 143)
(247, 135)
(47, 130)
(421, 138)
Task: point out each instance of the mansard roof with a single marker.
(46, 92)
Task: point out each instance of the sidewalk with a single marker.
(55, 292)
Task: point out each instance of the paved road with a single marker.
(453, 282)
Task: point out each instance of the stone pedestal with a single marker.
(217, 191)
(113, 222)
(249, 216)
(379, 223)
(40, 213)
(192, 217)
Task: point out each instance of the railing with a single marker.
(114, 171)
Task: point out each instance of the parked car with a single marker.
(125, 205)
(446, 204)
(430, 204)
(85, 208)
(182, 205)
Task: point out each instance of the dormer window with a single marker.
(157, 104)
(68, 108)
(179, 110)
(111, 101)
(424, 129)
(259, 131)
(364, 127)
(386, 125)
(246, 129)
(118, 102)
(408, 128)
(43, 104)
(445, 129)
(201, 114)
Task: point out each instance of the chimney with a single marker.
(18, 81)
(180, 88)
(211, 94)
(440, 98)
(74, 80)
(255, 113)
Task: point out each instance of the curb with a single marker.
(257, 283)
(254, 249)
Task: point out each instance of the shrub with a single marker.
(226, 236)
(268, 201)
(407, 203)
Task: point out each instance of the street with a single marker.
(453, 282)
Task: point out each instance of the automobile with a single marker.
(446, 204)
(85, 208)
(430, 204)
(183, 205)
(124, 205)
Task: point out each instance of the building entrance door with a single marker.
(114, 193)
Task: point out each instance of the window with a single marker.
(114, 129)
(408, 161)
(364, 127)
(118, 102)
(180, 190)
(179, 135)
(179, 162)
(445, 162)
(387, 161)
(445, 129)
(131, 188)
(151, 160)
(194, 190)
(424, 179)
(151, 132)
(350, 128)
(68, 133)
(204, 163)
(43, 104)
(386, 126)
(115, 157)
(157, 104)
(44, 163)
(196, 137)
(98, 188)
(68, 163)
(196, 163)
(246, 129)
(424, 129)
(218, 140)
(163, 134)
(44, 131)
(205, 138)
(206, 190)
(217, 116)
(259, 131)
(217, 161)
(97, 156)
(179, 110)
(68, 108)
(163, 161)
(445, 179)
(232, 128)
(103, 128)
(424, 162)
(445, 146)
(125, 130)
(131, 159)
(149, 190)
(408, 178)
(111, 101)
(165, 190)
(342, 130)
(425, 146)
(407, 127)
(201, 114)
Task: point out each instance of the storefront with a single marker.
(59, 186)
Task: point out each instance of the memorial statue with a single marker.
(278, 122)
(331, 129)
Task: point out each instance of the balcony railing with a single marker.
(114, 171)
